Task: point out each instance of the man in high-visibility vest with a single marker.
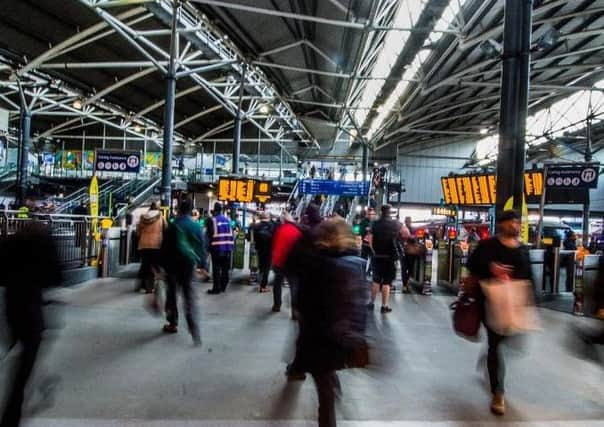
(220, 236)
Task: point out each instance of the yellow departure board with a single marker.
(243, 190)
(480, 189)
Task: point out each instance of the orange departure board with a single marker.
(480, 189)
(243, 190)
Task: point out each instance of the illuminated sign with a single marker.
(480, 189)
(242, 190)
(444, 211)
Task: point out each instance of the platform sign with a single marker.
(243, 190)
(334, 188)
(444, 211)
(117, 161)
(572, 176)
(481, 189)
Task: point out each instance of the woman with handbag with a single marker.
(505, 259)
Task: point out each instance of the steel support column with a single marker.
(22, 175)
(365, 165)
(510, 175)
(238, 123)
(166, 172)
(523, 100)
(587, 203)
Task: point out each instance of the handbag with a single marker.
(466, 316)
(509, 306)
(414, 249)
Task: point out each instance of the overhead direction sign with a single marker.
(243, 190)
(481, 189)
(334, 188)
(572, 176)
(117, 161)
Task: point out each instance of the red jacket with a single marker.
(286, 235)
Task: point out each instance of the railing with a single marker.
(73, 235)
(143, 192)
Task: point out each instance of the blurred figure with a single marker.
(312, 216)
(150, 232)
(183, 250)
(262, 232)
(365, 227)
(570, 242)
(382, 238)
(473, 236)
(333, 296)
(501, 257)
(286, 236)
(220, 236)
(30, 264)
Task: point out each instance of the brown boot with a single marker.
(498, 404)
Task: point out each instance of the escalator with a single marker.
(133, 194)
(8, 178)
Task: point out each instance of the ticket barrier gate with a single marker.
(452, 260)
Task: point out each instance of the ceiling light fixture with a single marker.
(77, 104)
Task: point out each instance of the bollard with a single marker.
(579, 274)
(463, 269)
(427, 287)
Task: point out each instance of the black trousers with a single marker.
(495, 362)
(26, 330)
(264, 268)
(278, 288)
(221, 266)
(149, 268)
(325, 382)
(182, 278)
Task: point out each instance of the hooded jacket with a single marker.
(150, 230)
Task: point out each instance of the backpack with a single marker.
(263, 233)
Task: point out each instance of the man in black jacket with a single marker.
(30, 263)
(383, 238)
(502, 257)
(262, 233)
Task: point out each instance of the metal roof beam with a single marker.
(121, 64)
(83, 35)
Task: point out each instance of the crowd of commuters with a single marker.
(324, 263)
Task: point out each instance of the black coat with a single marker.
(332, 303)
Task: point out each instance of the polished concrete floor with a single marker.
(116, 368)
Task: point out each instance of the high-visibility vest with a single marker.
(222, 239)
(23, 212)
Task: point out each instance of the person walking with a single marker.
(183, 250)
(150, 230)
(501, 257)
(383, 238)
(30, 263)
(332, 300)
(220, 236)
(262, 233)
(286, 236)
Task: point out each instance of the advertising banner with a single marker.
(117, 161)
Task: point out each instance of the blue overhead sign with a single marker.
(572, 176)
(334, 188)
(117, 161)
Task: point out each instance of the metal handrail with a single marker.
(148, 188)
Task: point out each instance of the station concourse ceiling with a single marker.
(318, 73)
